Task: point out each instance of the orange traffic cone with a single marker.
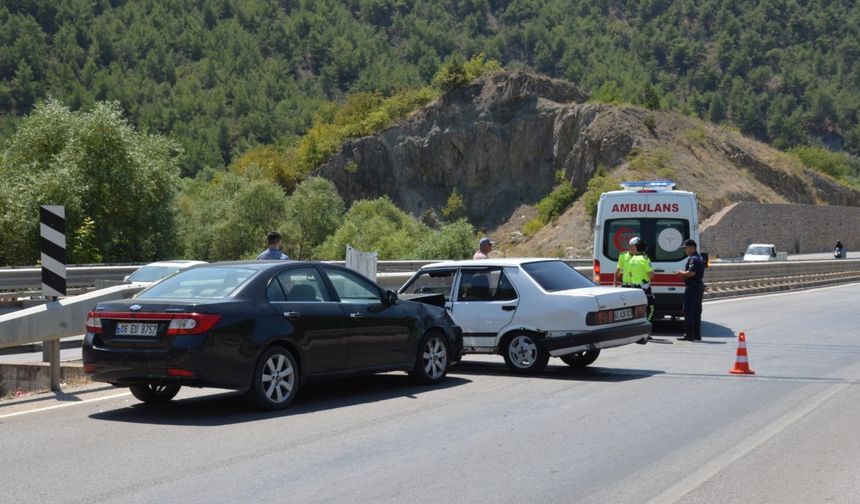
(742, 365)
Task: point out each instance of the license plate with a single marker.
(136, 329)
(623, 314)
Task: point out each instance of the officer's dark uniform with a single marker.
(693, 293)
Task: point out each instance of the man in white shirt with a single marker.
(485, 246)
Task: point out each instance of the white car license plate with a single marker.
(136, 329)
(623, 314)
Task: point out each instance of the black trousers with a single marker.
(649, 295)
(693, 295)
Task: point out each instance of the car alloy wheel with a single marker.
(276, 379)
(432, 362)
(154, 394)
(524, 355)
(580, 359)
(435, 358)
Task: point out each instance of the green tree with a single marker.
(97, 166)
(313, 212)
(376, 226)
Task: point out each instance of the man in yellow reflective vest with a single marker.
(638, 272)
(623, 259)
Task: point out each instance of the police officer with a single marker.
(693, 274)
(638, 272)
(623, 259)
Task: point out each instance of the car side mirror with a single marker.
(390, 297)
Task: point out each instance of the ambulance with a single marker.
(661, 216)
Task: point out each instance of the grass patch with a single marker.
(656, 163)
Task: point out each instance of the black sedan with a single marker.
(264, 328)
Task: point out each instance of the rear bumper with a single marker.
(597, 339)
(128, 367)
(669, 305)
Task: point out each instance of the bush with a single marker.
(455, 74)
(836, 164)
(455, 207)
(556, 202)
(600, 183)
(455, 240)
(533, 226)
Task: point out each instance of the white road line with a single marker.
(775, 294)
(64, 405)
(712, 468)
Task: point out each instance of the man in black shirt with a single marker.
(693, 293)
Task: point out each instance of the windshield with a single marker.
(200, 283)
(555, 276)
(152, 273)
(759, 250)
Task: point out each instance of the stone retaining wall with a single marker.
(796, 229)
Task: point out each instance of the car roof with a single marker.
(513, 261)
(178, 262)
(760, 245)
(274, 263)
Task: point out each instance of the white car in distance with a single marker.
(153, 272)
(528, 310)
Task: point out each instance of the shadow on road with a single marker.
(556, 372)
(231, 407)
(674, 328)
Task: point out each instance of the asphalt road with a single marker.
(661, 423)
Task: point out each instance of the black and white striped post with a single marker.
(52, 230)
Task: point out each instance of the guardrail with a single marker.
(21, 282)
(65, 318)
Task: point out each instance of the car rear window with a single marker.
(555, 276)
(200, 283)
(152, 273)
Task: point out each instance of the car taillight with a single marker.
(596, 275)
(192, 323)
(640, 311)
(94, 323)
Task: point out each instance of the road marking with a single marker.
(64, 405)
(712, 468)
(774, 294)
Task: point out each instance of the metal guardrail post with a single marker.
(54, 351)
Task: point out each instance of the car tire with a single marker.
(524, 354)
(433, 359)
(150, 393)
(276, 379)
(581, 359)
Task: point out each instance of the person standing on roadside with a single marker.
(623, 259)
(694, 291)
(275, 242)
(638, 272)
(485, 246)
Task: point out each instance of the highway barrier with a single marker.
(66, 317)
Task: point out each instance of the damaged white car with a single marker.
(529, 310)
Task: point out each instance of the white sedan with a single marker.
(530, 309)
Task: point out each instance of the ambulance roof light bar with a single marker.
(648, 185)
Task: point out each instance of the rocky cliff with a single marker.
(500, 141)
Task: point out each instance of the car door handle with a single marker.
(509, 307)
(292, 314)
(356, 315)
